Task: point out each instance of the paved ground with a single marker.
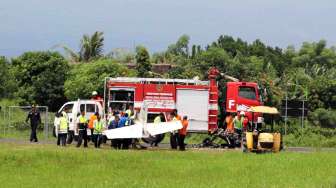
(167, 146)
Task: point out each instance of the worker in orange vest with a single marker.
(183, 133)
(229, 123)
(93, 117)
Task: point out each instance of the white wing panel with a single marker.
(164, 127)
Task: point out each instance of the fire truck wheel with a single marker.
(154, 139)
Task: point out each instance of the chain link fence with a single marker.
(14, 122)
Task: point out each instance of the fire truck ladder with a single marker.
(159, 81)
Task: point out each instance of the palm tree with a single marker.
(91, 47)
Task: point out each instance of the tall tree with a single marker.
(7, 81)
(181, 47)
(143, 64)
(40, 77)
(91, 47)
(88, 77)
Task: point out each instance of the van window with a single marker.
(68, 108)
(122, 95)
(82, 107)
(247, 92)
(120, 99)
(90, 108)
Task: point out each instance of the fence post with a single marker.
(303, 107)
(286, 114)
(46, 126)
(4, 121)
(9, 119)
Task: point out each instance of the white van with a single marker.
(73, 109)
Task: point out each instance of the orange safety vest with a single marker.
(185, 124)
(229, 123)
(92, 119)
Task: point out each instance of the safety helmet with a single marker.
(94, 93)
(242, 113)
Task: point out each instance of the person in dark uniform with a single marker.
(82, 124)
(35, 119)
(174, 134)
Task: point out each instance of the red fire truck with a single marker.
(194, 98)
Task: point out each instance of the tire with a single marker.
(154, 139)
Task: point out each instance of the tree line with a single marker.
(50, 78)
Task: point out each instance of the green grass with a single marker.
(37, 165)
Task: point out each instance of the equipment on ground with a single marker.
(257, 139)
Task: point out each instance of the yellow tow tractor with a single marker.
(255, 139)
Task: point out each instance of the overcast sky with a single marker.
(40, 24)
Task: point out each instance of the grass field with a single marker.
(38, 165)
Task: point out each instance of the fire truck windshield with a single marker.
(247, 92)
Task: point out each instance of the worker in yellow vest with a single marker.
(63, 129)
(98, 127)
(82, 124)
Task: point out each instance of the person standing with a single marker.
(63, 129)
(238, 122)
(174, 134)
(113, 125)
(93, 117)
(229, 123)
(96, 97)
(81, 127)
(98, 131)
(71, 132)
(158, 119)
(56, 127)
(183, 133)
(123, 143)
(35, 119)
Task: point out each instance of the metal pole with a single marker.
(104, 101)
(4, 121)
(286, 114)
(46, 126)
(303, 106)
(9, 119)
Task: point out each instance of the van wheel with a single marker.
(154, 139)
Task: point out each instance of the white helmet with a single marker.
(242, 113)
(94, 93)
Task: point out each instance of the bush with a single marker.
(312, 137)
(88, 77)
(40, 77)
(323, 117)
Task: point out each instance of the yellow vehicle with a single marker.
(257, 140)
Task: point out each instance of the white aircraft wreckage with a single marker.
(142, 129)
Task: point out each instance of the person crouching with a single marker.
(98, 131)
(63, 129)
